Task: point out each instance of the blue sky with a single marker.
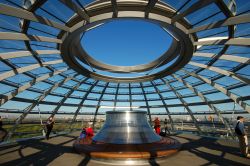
(126, 42)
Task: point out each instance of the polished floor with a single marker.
(58, 151)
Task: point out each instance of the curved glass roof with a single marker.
(207, 74)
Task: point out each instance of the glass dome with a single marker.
(201, 80)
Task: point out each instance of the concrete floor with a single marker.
(58, 151)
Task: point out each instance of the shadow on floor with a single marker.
(52, 152)
(47, 151)
(214, 152)
(85, 161)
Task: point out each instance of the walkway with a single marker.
(58, 151)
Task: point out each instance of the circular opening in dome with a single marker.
(126, 42)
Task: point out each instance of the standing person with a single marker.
(166, 126)
(49, 126)
(3, 132)
(1, 122)
(157, 125)
(242, 136)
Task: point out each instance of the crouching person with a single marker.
(86, 135)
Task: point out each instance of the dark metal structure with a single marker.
(41, 53)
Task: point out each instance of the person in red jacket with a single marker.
(87, 134)
(89, 131)
(157, 125)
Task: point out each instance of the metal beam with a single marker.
(26, 68)
(211, 106)
(149, 7)
(146, 101)
(232, 58)
(196, 6)
(6, 97)
(130, 97)
(66, 97)
(186, 105)
(155, 106)
(5, 110)
(24, 14)
(226, 8)
(221, 71)
(70, 4)
(81, 103)
(98, 104)
(18, 54)
(30, 108)
(110, 100)
(25, 37)
(136, 100)
(165, 105)
(116, 95)
(115, 8)
(234, 97)
(232, 41)
(231, 29)
(241, 19)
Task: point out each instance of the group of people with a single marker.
(86, 134)
(157, 126)
(239, 131)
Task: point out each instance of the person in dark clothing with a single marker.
(242, 136)
(83, 136)
(83, 133)
(49, 126)
(1, 123)
(3, 132)
(166, 126)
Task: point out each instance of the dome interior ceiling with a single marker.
(38, 64)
